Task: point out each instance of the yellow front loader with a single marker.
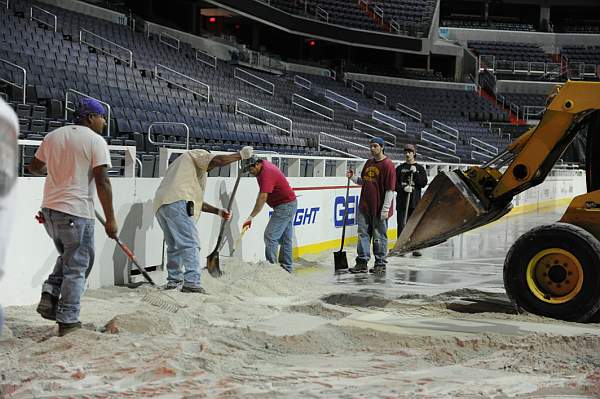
(552, 270)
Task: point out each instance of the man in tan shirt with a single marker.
(178, 203)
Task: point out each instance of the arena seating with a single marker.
(410, 17)
(56, 62)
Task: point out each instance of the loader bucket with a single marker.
(448, 207)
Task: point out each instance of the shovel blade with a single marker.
(448, 208)
(340, 260)
(212, 264)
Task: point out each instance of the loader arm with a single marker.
(459, 201)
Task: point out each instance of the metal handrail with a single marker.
(320, 12)
(107, 105)
(344, 140)
(383, 118)
(358, 86)
(310, 109)
(452, 145)
(235, 75)
(332, 74)
(442, 127)
(488, 156)
(7, 4)
(356, 121)
(338, 151)
(32, 18)
(533, 111)
(140, 167)
(438, 152)
(165, 34)
(187, 132)
(238, 111)
(406, 110)
(212, 63)
(483, 146)
(157, 76)
(380, 97)
(394, 25)
(302, 82)
(81, 40)
(377, 10)
(335, 97)
(24, 87)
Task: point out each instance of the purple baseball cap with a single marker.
(90, 106)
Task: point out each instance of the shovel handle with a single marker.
(128, 252)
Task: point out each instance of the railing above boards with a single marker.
(339, 139)
(240, 104)
(312, 106)
(483, 146)
(161, 72)
(321, 13)
(302, 82)
(438, 141)
(422, 149)
(388, 120)
(206, 58)
(406, 110)
(156, 124)
(85, 37)
(253, 80)
(341, 100)
(360, 126)
(380, 97)
(449, 130)
(172, 41)
(23, 87)
(32, 17)
(358, 86)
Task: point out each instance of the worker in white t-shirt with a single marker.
(178, 202)
(77, 159)
(9, 132)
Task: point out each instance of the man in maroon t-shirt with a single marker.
(275, 190)
(378, 181)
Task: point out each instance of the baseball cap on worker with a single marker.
(377, 140)
(88, 106)
(409, 147)
(247, 163)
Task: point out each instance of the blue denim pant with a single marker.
(183, 244)
(279, 232)
(375, 229)
(74, 239)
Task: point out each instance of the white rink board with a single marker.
(31, 254)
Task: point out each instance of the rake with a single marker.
(152, 296)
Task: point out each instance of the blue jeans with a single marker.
(372, 228)
(183, 244)
(73, 237)
(279, 232)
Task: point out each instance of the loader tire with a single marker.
(554, 271)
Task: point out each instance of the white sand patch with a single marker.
(261, 332)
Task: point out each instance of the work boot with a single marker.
(360, 267)
(66, 328)
(417, 254)
(377, 269)
(47, 306)
(193, 290)
(171, 285)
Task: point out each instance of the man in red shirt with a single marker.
(378, 181)
(275, 190)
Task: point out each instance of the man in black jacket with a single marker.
(410, 179)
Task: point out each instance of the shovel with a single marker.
(212, 260)
(129, 254)
(339, 258)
